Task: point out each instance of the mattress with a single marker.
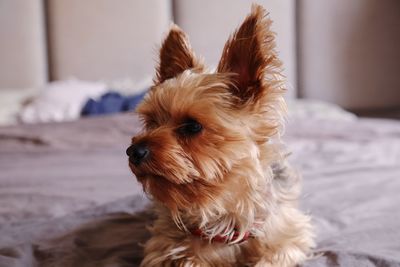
(56, 177)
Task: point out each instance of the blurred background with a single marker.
(61, 59)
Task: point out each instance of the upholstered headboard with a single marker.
(23, 59)
(341, 51)
(106, 39)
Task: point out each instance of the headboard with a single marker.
(23, 59)
(346, 52)
(107, 39)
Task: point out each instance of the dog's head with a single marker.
(199, 126)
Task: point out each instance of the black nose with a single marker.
(137, 153)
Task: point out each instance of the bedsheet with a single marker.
(56, 177)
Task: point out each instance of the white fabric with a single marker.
(11, 102)
(62, 100)
(317, 110)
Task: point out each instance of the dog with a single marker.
(211, 158)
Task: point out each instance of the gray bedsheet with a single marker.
(56, 177)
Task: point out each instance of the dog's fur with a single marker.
(231, 176)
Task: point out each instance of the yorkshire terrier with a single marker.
(211, 157)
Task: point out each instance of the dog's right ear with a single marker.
(176, 56)
(250, 56)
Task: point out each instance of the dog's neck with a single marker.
(234, 236)
(243, 205)
(237, 212)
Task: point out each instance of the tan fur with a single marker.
(233, 174)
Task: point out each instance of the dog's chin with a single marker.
(162, 174)
(147, 178)
(161, 179)
(177, 196)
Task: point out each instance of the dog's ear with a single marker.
(176, 56)
(250, 56)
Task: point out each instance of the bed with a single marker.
(56, 177)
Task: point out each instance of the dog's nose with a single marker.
(137, 153)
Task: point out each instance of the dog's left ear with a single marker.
(250, 56)
(176, 56)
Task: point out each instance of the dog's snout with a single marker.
(137, 153)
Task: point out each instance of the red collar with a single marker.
(221, 238)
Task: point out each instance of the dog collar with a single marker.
(222, 238)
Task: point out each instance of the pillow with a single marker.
(64, 100)
(317, 110)
(60, 101)
(11, 101)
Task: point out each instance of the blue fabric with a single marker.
(111, 102)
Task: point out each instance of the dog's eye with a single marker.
(190, 127)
